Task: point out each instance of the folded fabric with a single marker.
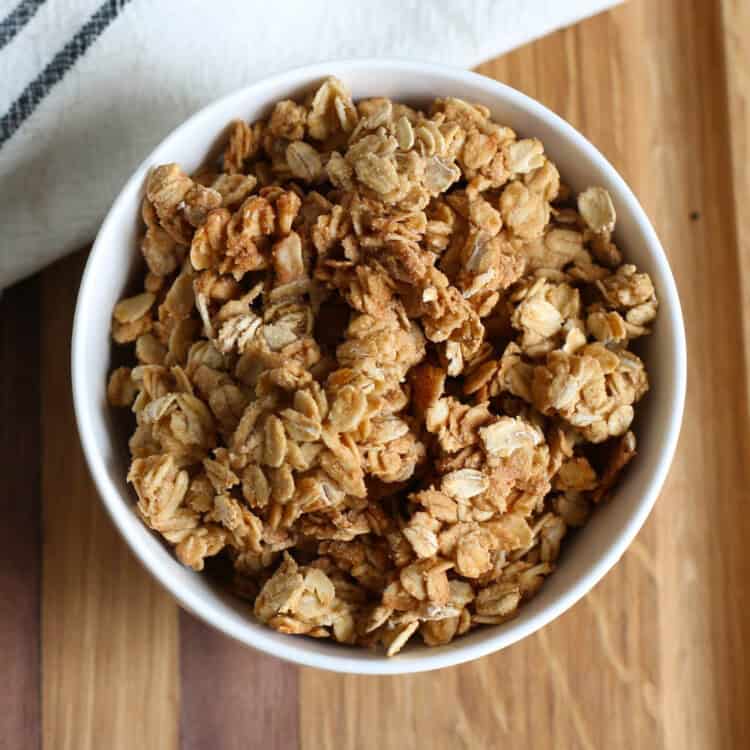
(89, 88)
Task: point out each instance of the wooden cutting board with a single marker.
(95, 655)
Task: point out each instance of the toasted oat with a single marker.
(372, 351)
(596, 209)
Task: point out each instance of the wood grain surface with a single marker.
(109, 633)
(20, 529)
(657, 656)
(233, 698)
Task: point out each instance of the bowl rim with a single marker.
(296, 651)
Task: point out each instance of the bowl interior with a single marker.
(585, 558)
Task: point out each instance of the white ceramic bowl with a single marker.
(585, 559)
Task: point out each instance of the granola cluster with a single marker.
(383, 366)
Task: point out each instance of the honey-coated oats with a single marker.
(382, 366)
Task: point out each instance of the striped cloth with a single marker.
(89, 87)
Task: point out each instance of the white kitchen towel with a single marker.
(88, 88)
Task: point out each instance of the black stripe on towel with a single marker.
(17, 19)
(60, 64)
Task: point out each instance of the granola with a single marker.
(381, 366)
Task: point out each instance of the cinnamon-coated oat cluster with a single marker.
(375, 350)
